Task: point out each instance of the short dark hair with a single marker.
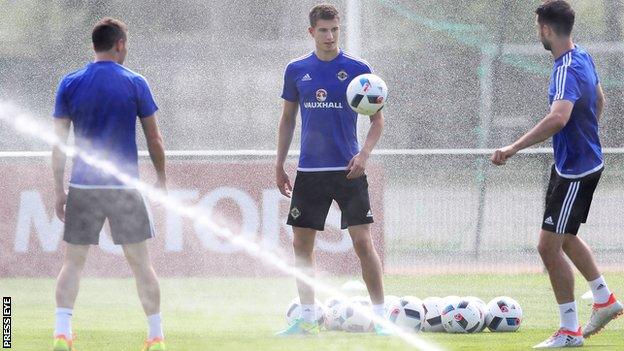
(323, 11)
(107, 32)
(558, 14)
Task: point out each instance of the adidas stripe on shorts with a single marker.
(568, 202)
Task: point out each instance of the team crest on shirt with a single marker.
(321, 95)
(295, 213)
(342, 75)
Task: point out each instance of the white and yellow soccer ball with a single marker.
(294, 311)
(355, 317)
(409, 315)
(461, 316)
(366, 94)
(504, 314)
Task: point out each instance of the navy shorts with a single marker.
(568, 202)
(314, 192)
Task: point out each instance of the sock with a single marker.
(568, 315)
(155, 326)
(380, 310)
(308, 313)
(600, 290)
(62, 326)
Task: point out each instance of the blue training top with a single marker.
(103, 101)
(577, 146)
(328, 124)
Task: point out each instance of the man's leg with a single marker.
(370, 262)
(67, 285)
(581, 255)
(606, 307)
(303, 245)
(147, 285)
(308, 210)
(561, 277)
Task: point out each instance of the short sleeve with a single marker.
(146, 106)
(290, 91)
(367, 68)
(61, 109)
(567, 85)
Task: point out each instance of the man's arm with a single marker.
(156, 148)
(357, 165)
(600, 103)
(558, 117)
(286, 130)
(61, 128)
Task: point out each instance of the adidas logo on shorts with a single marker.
(369, 214)
(549, 220)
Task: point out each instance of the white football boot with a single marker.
(562, 338)
(602, 313)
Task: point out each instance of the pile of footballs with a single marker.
(452, 314)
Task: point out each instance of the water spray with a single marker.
(25, 124)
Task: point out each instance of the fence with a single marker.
(436, 210)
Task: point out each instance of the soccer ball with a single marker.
(366, 94)
(294, 312)
(482, 310)
(391, 301)
(362, 300)
(450, 299)
(354, 318)
(432, 322)
(461, 316)
(409, 314)
(333, 320)
(503, 314)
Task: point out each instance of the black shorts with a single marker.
(313, 194)
(568, 202)
(87, 209)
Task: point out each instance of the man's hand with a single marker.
(161, 183)
(59, 205)
(357, 165)
(501, 156)
(282, 181)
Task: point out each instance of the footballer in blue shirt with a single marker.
(331, 165)
(576, 104)
(102, 101)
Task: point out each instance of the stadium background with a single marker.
(467, 78)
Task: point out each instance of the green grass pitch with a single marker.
(244, 313)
